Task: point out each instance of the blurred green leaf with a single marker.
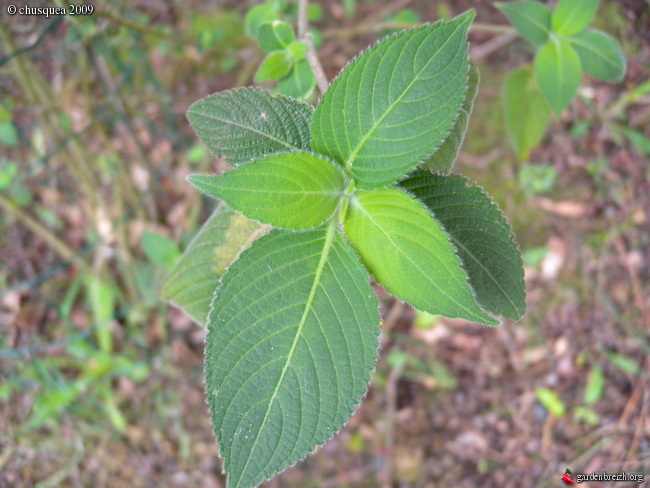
(571, 16)
(531, 19)
(534, 256)
(5, 115)
(600, 54)
(350, 8)
(101, 297)
(299, 83)
(298, 50)
(8, 172)
(586, 415)
(275, 35)
(557, 71)
(624, 363)
(537, 178)
(160, 249)
(550, 400)
(526, 112)
(8, 134)
(275, 66)
(594, 386)
(314, 12)
(259, 14)
(639, 140)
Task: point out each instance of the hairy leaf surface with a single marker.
(526, 111)
(292, 339)
(557, 71)
(600, 54)
(531, 19)
(571, 16)
(445, 156)
(297, 190)
(393, 105)
(191, 282)
(482, 236)
(248, 123)
(409, 253)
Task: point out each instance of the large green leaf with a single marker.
(571, 16)
(248, 123)
(292, 340)
(557, 71)
(409, 253)
(191, 283)
(531, 19)
(297, 190)
(600, 55)
(482, 236)
(526, 112)
(445, 156)
(393, 105)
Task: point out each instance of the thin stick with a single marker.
(41, 231)
(312, 57)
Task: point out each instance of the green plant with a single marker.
(564, 48)
(293, 325)
(285, 59)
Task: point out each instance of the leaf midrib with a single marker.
(329, 239)
(364, 139)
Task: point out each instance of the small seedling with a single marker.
(564, 49)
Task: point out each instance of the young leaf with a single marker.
(531, 19)
(300, 82)
(557, 71)
(298, 50)
(275, 36)
(258, 15)
(292, 339)
(484, 239)
(394, 104)
(526, 112)
(275, 66)
(600, 55)
(409, 253)
(296, 190)
(571, 16)
(445, 156)
(191, 283)
(248, 123)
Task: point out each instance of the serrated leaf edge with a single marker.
(355, 407)
(453, 241)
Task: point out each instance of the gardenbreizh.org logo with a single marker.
(570, 479)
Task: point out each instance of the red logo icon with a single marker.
(567, 478)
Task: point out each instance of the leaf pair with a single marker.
(293, 326)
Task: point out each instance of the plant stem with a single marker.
(60, 247)
(312, 57)
(143, 29)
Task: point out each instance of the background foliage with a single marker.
(100, 382)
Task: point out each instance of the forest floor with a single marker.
(450, 403)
